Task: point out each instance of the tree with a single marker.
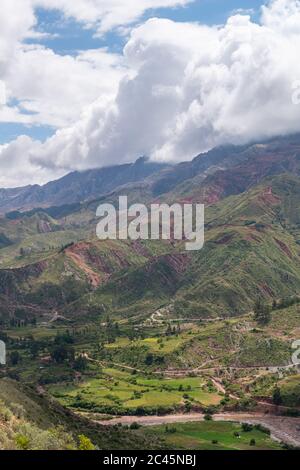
(80, 363)
(15, 358)
(262, 313)
(246, 427)
(169, 330)
(149, 359)
(34, 349)
(277, 398)
(64, 338)
(62, 353)
(208, 417)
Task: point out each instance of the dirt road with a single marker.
(282, 428)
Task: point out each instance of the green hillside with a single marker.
(30, 421)
(145, 327)
(251, 251)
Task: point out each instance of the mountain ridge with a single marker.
(250, 211)
(77, 186)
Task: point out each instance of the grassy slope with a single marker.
(290, 391)
(27, 414)
(251, 251)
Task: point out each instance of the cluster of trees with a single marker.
(112, 331)
(21, 322)
(80, 403)
(284, 303)
(152, 359)
(262, 313)
(176, 330)
(22, 317)
(63, 351)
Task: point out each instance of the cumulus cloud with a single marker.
(183, 89)
(17, 169)
(17, 19)
(282, 15)
(138, 120)
(36, 77)
(194, 87)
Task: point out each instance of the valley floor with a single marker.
(283, 429)
(166, 377)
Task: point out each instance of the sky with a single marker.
(93, 83)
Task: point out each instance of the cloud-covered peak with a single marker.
(177, 89)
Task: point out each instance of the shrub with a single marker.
(85, 443)
(135, 426)
(246, 427)
(187, 406)
(23, 442)
(170, 430)
(263, 429)
(17, 410)
(208, 417)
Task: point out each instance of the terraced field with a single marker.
(123, 392)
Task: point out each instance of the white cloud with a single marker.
(183, 88)
(16, 21)
(35, 76)
(17, 169)
(138, 120)
(105, 15)
(52, 89)
(283, 16)
(194, 87)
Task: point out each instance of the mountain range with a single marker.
(116, 308)
(51, 259)
(76, 187)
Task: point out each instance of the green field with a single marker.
(156, 344)
(213, 436)
(123, 391)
